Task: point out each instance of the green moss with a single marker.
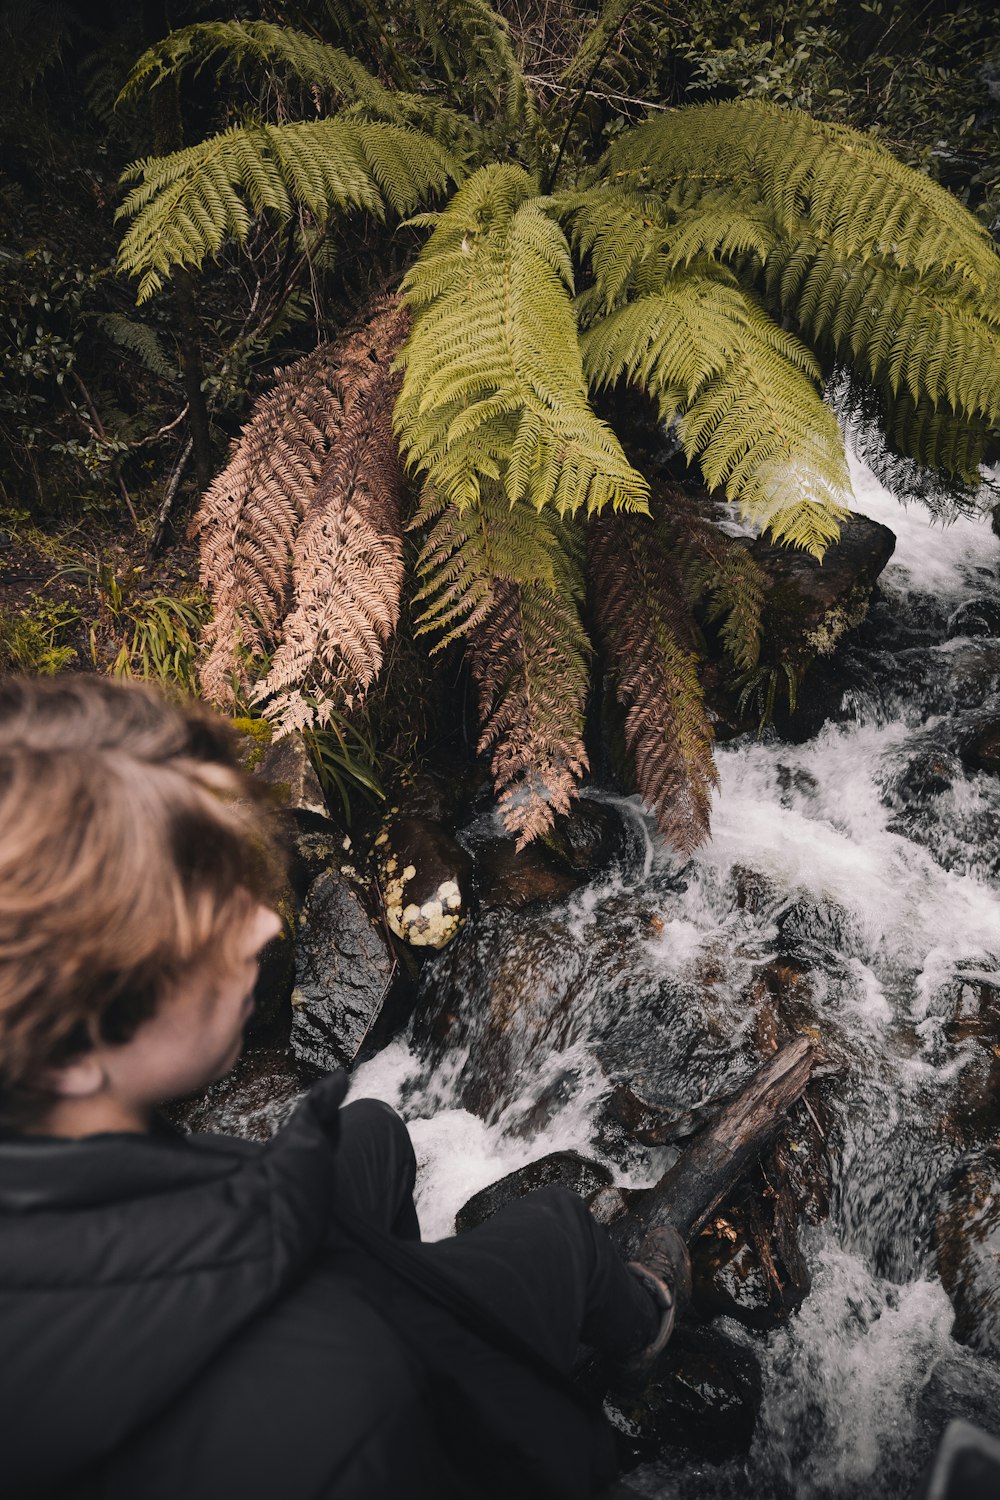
(258, 732)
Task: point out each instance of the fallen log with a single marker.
(715, 1160)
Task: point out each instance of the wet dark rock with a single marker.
(811, 609)
(747, 1263)
(975, 617)
(752, 891)
(272, 995)
(425, 878)
(508, 878)
(967, 1239)
(812, 931)
(567, 1168)
(931, 770)
(625, 1115)
(595, 835)
(811, 605)
(315, 845)
(981, 752)
(972, 1118)
(438, 795)
(350, 995)
(252, 1101)
(501, 995)
(704, 1398)
(970, 1010)
(286, 765)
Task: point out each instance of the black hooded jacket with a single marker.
(187, 1317)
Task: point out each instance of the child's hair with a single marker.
(132, 849)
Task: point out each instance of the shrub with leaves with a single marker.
(724, 260)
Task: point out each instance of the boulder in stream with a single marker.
(704, 1398)
(252, 1101)
(508, 877)
(502, 995)
(811, 605)
(426, 881)
(981, 751)
(567, 1168)
(351, 995)
(967, 1238)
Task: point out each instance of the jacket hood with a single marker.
(128, 1261)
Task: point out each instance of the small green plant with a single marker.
(32, 638)
(161, 641)
(345, 761)
(152, 636)
(759, 690)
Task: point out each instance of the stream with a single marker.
(869, 856)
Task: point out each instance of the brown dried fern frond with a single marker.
(506, 580)
(650, 639)
(250, 514)
(529, 658)
(347, 567)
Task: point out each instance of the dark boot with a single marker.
(663, 1265)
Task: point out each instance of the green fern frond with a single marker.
(466, 555)
(932, 340)
(188, 204)
(811, 177)
(745, 393)
(493, 386)
(472, 47)
(141, 340)
(616, 231)
(234, 44)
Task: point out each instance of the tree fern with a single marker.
(869, 259)
(811, 176)
(277, 49)
(506, 580)
(724, 259)
(493, 386)
(745, 395)
(188, 204)
(651, 645)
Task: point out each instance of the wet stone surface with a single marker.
(425, 878)
(350, 994)
(968, 1252)
(704, 1398)
(567, 1168)
(252, 1101)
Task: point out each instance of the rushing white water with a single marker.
(873, 853)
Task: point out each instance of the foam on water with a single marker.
(869, 1347)
(931, 557)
